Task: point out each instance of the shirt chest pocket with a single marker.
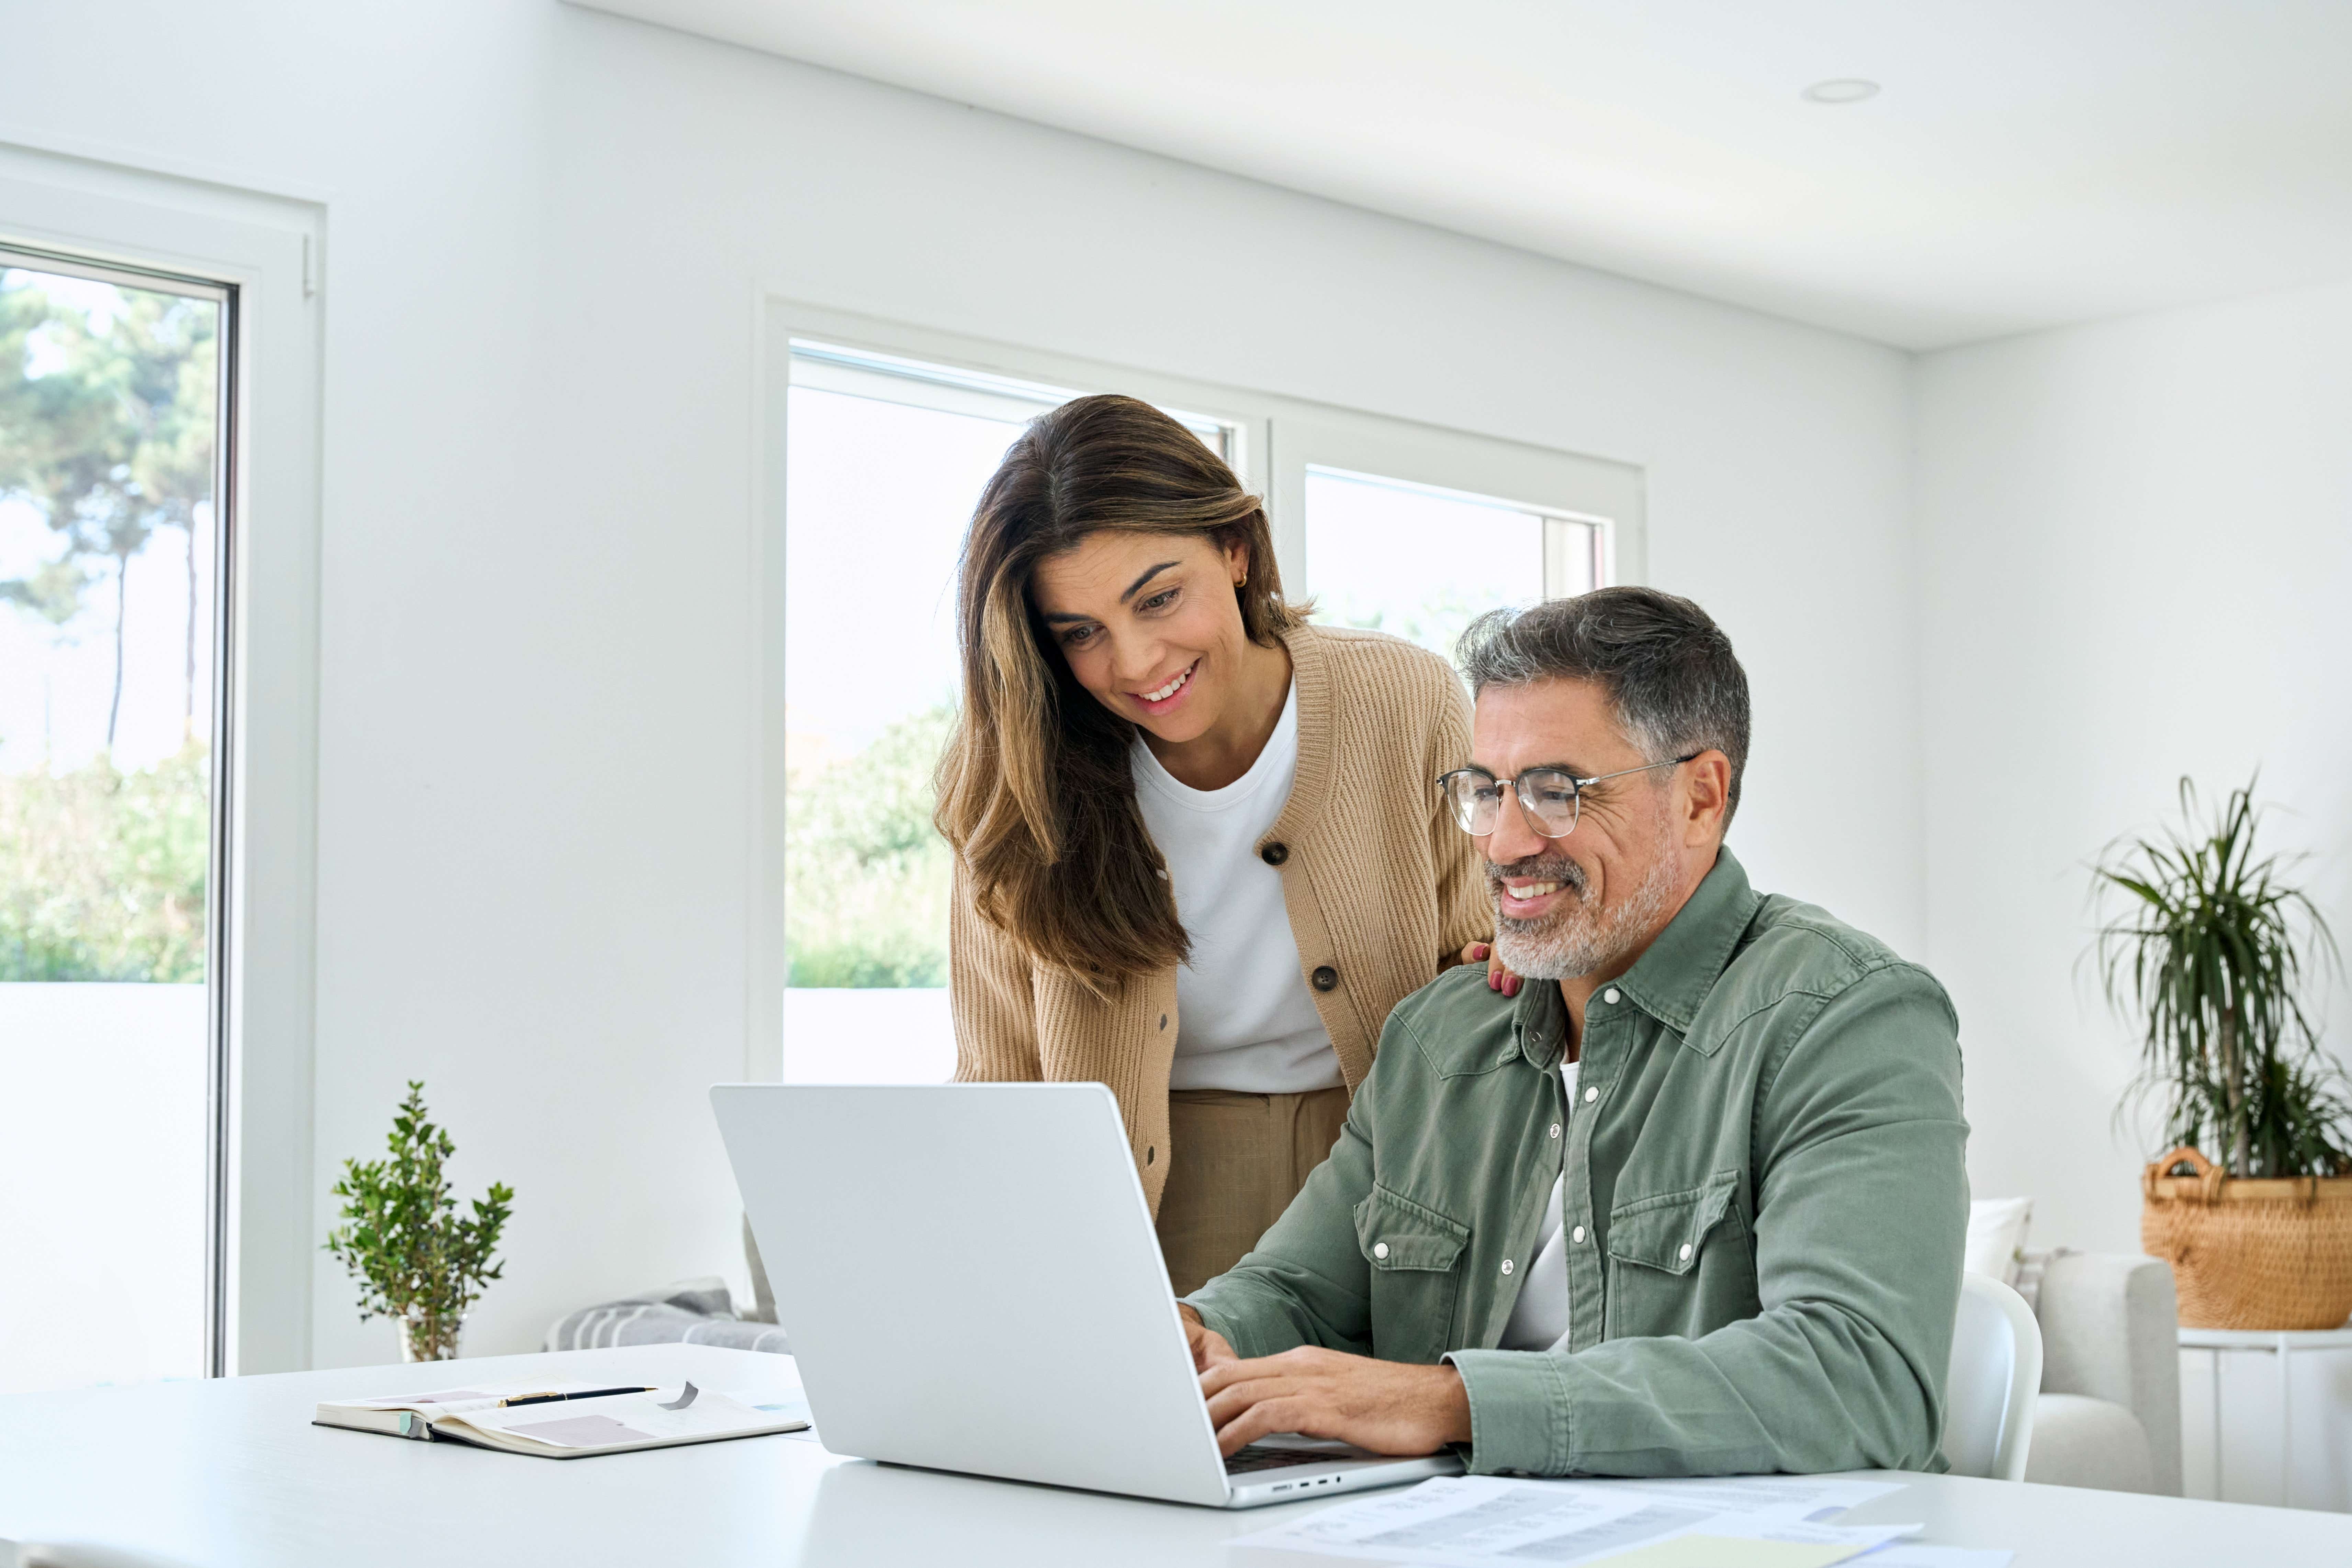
(1415, 1254)
(1679, 1263)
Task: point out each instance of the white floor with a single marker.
(101, 1185)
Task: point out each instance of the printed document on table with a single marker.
(1485, 1519)
(1733, 1552)
(1797, 1545)
(1810, 1496)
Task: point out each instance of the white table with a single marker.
(2283, 1344)
(189, 1475)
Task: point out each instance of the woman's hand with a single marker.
(1497, 977)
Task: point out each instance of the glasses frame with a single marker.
(1517, 786)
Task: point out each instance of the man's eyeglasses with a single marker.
(1549, 798)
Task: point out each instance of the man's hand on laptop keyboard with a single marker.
(1388, 1407)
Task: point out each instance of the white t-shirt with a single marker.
(1539, 1317)
(1244, 1018)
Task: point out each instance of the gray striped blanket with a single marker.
(693, 1311)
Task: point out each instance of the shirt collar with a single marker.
(1540, 1022)
(1671, 981)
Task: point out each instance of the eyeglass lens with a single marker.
(1547, 795)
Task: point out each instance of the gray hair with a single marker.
(1665, 664)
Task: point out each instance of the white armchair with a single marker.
(2109, 1416)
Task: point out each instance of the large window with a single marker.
(878, 452)
(111, 442)
(883, 467)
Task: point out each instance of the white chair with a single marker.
(1996, 1373)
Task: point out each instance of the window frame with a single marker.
(264, 252)
(1563, 488)
(1278, 438)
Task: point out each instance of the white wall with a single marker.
(546, 231)
(2136, 561)
(2136, 564)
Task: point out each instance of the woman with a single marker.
(1200, 852)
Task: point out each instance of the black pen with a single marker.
(552, 1398)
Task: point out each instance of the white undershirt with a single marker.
(1539, 1317)
(1244, 1020)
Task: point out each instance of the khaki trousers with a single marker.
(1234, 1162)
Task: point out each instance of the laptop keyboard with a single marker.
(1256, 1459)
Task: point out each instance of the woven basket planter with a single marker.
(2247, 1254)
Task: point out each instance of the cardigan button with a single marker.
(1274, 854)
(1163, 1020)
(1326, 977)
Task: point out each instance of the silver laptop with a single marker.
(970, 1280)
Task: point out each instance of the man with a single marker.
(1694, 1202)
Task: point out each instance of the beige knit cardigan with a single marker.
(1382, 890)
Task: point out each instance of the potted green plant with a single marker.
(2208, 950)
(417, 1260)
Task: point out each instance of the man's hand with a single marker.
(1384, 1406)
(1209, 1347)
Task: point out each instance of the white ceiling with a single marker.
(2029, 161)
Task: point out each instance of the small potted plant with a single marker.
(417, 1260)
(2210, 953)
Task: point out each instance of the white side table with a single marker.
(2283, 1344)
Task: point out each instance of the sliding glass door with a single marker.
(113, 440)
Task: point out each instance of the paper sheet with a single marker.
(1810, 1496)
(1731, 1552)
(1449, 1518)
(1473, 1519)
(453, 1401)
(621, 1418)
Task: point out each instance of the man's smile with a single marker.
(1528, 898)
(1534, 887)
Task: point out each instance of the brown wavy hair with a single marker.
(1033, 789)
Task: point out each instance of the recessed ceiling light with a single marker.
(1840, 90)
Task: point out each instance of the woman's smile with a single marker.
(1163, 699)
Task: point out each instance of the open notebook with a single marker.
(562, 1420)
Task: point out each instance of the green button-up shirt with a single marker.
(1765, 1204)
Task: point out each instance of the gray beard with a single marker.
(1576, 939)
